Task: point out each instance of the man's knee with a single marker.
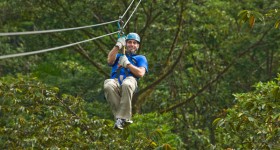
(127, 84)
(108, 84)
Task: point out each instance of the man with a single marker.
(126, 70)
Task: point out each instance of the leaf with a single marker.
(269, 137)
(251, 119)
(251, 16)
(56, 89)
(167, 147)
(18, 90)
(258, 15)
(158, 132)
(276, 118)
(252, 21)
(215, 122)
(240, 114)
(243, 16)
(153, 144)
(277, 24)
(242, 13)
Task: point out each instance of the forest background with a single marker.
(213, 79)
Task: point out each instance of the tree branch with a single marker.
(156, 82)
(209, 84)
(81, 51)
(176, 36)
(89, 34)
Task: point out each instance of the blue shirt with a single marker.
(136, 60)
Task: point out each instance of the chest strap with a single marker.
(118, 71)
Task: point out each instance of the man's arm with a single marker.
(137, 71)
(112, 55)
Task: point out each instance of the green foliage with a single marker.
(78, 79)
(157, 130)
(218, 47)
(33, 116)
(251, 16)
(253, 123)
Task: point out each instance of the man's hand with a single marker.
(123, 61)
(120, 42)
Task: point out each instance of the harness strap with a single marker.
(120, 28)
(119, 73)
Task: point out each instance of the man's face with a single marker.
(132, 46)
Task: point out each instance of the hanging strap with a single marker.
(120, 27)
(121, 34)
(119, 74)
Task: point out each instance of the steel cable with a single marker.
(54, 48)
(60, 30)
(127, 9)
(54, 30)
(132, 13)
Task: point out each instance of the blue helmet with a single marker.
(133, 36)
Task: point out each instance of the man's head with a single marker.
(132, 42)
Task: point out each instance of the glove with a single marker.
(124, 61)
(120, 42)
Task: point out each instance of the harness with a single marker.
(126, 71)
(131, 60)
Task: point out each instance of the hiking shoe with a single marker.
(127, 121)
(119, 124)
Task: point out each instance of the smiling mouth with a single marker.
(130, 50)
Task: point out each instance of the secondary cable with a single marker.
(66, 29)
(132, 13)
(127, 9)
(55, 48)
(55, 30)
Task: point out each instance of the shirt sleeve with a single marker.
(142, 62)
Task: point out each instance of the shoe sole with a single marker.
(116, 127)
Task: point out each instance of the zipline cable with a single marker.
(52, 49)
(127, 9)
(66, 29)
(132, 13)
(55, 30)
(120, 22)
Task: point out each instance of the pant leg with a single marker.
(112, 94)
(128, 88)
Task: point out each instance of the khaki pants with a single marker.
(120, 96)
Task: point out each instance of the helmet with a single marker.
(133, 36)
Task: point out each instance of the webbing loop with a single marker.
(120, 27)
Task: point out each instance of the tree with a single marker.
(253, 122)
(198, 53)
(34, 116)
